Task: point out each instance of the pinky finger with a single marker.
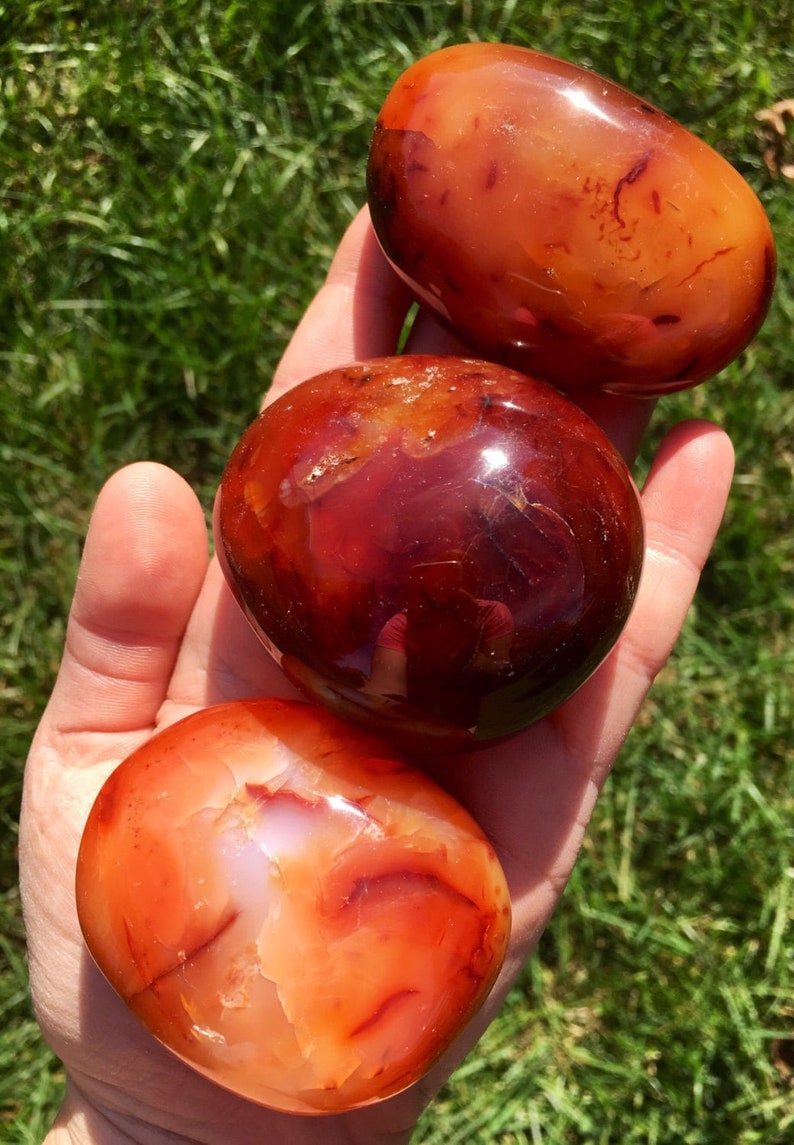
(684, 500)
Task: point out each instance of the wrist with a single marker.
(79, 1123)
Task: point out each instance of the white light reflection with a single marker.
(494, 459)
(344, 806)
(582, 101)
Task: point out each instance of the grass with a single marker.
(173, 180)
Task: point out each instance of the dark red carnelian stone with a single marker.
(440, 549)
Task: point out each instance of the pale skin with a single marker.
(154, 634)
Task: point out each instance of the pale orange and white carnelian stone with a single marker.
(290, 907)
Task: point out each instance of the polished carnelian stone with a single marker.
(564, 226)
(441, 549)
(289, 907)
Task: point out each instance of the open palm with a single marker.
(154, 634)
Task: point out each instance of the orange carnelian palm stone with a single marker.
(565, 226)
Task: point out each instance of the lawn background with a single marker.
(175, 176)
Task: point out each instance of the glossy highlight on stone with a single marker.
(288, 906)
(440, 549)
(564, 226)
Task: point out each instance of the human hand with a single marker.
(154, 634)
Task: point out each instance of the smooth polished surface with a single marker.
(441, 549)
(288, 906)
(564, 226)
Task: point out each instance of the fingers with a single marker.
(358, 312)
(144, 560)
(623, 419)
(684, 500)
(428, 335)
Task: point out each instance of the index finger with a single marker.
(360, 312)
